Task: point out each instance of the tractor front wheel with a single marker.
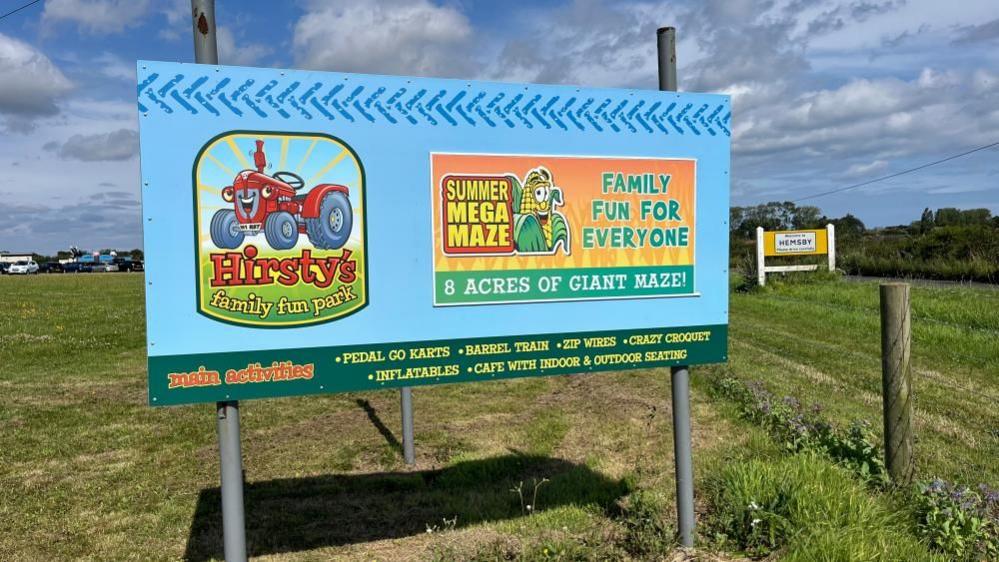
(281, 230)
(331, 229)
(225, 230)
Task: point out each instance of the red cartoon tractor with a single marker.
(272, 204)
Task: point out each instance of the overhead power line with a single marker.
(19, 9)
(896, 174)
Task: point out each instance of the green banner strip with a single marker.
(187, 379)
(479, 287)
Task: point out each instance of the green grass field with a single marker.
(88, 471)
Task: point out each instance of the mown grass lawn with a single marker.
(820, 342)
(88, 470)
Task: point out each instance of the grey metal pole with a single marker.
(227, 413)
(682, 454)
(206, 49)
(408, 447)
(679, 375)
(231, 457)
(666, 43)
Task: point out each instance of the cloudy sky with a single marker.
(827, 93)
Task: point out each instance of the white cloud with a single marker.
(91, 223)
(50, 201)
(886, 117)
(979, 33)
(238, 52)
(386, 36)
(97, 16)
(861, 170)
(113, 66)
(176, 11)
(31, 83)
(178, 19)
(122, 144)
(907, 16)
(592, 44)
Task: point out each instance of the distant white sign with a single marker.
(794, 242)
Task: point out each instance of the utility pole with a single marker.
(679, 375)
(227, 413)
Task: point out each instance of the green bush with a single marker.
(959, 521)
(806, 508)
(980, 270)
(959, 253)
(799, 429)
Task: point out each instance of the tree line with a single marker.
(135, 254)
(946, 243)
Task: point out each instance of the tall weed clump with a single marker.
(957, 521)
(800, 429)
(805, 508)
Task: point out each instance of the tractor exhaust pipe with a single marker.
(259, 160)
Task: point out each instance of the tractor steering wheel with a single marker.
(294, 180)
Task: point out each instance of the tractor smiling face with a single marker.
(247, 203)
(249, 196)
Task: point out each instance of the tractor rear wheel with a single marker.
(225, 230)
(281, 230)
(331, 229)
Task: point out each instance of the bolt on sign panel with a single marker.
(312, 232)
(558, 228)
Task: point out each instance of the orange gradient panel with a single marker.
(581, 182)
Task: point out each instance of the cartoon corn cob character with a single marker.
(539, 228)
(537, 187)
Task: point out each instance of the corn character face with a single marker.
(537, 199)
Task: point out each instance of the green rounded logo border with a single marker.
(365, 299)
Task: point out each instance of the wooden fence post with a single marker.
(896, 381)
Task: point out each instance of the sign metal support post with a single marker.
(408, 448)
(679, 375)
(231, 460)
(227, 413)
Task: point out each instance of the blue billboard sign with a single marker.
(310, 232)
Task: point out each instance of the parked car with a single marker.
(23, 267)
(4, 266)
(128, 264)
(50, 267)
